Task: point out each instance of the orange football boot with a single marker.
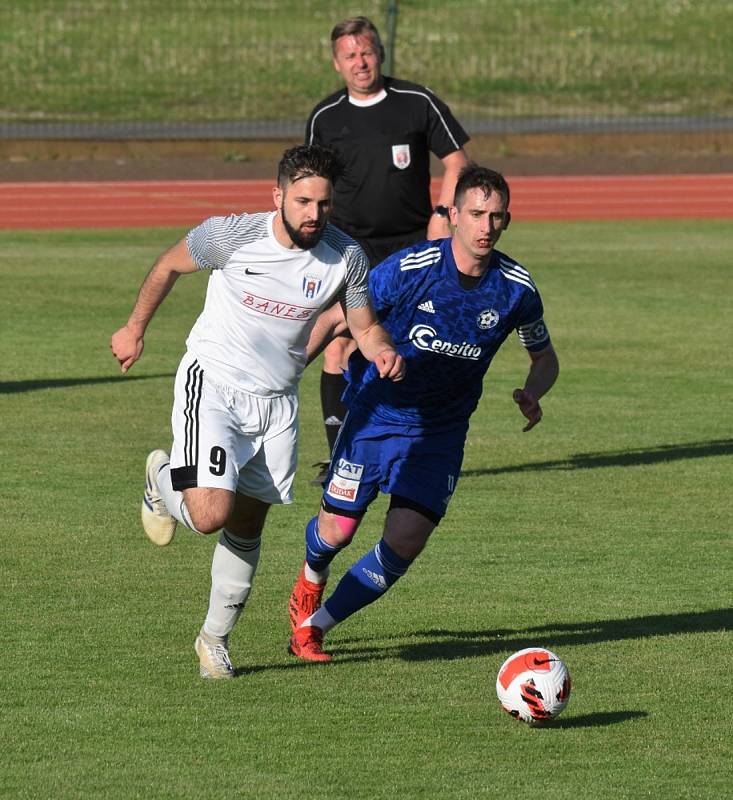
(307, 643)
(305, 599)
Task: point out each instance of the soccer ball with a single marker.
(533, 685)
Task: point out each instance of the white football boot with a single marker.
(159, 525)
(213, 657)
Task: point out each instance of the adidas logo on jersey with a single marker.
(375, 578)
(427, 306)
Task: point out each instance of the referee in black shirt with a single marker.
(384, 129)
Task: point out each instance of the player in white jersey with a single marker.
(235, 402)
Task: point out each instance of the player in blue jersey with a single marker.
(449, 305)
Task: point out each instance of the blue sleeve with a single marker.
(384, 285)
(533, 333)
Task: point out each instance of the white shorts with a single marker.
(224, 438)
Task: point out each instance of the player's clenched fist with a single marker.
(127, 347)
(390, 365)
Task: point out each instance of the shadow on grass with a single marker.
(446, 645)
(15, 387)
(597, 720)
(619, 458)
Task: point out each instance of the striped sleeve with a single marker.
(356, 292)
(531, 328)
(212, 243)
(356, 284)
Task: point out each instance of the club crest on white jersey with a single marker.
(311, 286)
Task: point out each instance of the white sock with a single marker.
(173, 500)
(233, 570)
(316, 577)
(320, 619)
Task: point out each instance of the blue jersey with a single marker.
(447, 335)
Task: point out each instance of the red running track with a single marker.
(46, 206)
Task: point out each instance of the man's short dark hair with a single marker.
(488, 180)
(355, 26)
(308, 161)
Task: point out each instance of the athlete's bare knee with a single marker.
(209, 509)
(407, 531)
(208, 521)
(208, 524)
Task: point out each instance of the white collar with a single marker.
(372, 101)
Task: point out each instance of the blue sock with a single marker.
(318, 554)
(366, 581)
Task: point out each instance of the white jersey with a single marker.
(263, 299)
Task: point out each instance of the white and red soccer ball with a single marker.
(533, 685)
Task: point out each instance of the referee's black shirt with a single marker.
(385, 148)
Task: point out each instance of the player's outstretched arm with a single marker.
(543, 371)
(128, 342)
(375, 343)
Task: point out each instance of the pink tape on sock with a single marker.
(348, 525)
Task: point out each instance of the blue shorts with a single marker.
(405, 461)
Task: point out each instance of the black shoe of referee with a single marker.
(320, 478)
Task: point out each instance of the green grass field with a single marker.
(603, 534)
(194, 60)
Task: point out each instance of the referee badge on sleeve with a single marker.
(401, 155)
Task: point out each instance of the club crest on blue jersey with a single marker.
(487, 319)
(311, 286)
(401, 155)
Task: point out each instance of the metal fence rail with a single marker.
(224, 69)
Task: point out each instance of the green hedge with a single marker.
(222, 60)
